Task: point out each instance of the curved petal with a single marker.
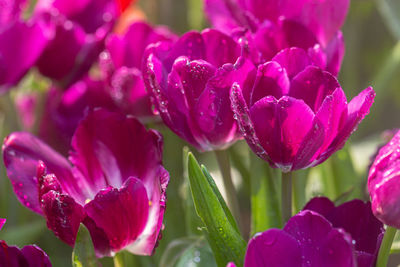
(63, 215)
(213, 112)
(321, 244)
(35, 256)
(171, 113)
(321, 205)
(21, 44)
(224, 15)
(294, 60)
(246, 126)
(21, 155)
(281, 127)
(313, 85)
(121, 213)
(323, 18)
(11, 255)
(219, 48)
(357, 109)
(271, 80)
(296, 34)
(108, 148)
(274, 248)
(128, 50)
(335, 53)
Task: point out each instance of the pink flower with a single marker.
(295, 115)
(115, 185)
(384, 183)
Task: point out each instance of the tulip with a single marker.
(28, 256)
(189, 83)
(64, 110)
(275, 25)
(121, 64)
(307, 239)
(80, 32)
(383, 183)
(21, 43)
(356, 218)
(294, 115)
(114, 182)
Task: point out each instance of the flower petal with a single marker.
(294, 60)
(106, 154)
(273, 248)
(21, 44)
(246, 126)
(358, 108)
(11, 256)
(219, 48)
(281, 127)
(35, 256)
(213, 112)
(313, 85)
(321, 244)
(271, 80)
(121, 213)
(21, 155)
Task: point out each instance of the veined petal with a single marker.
(21, 155)
(271, 80)
(220, 49)
(321, 244)
(335, 53)
(106, 154)
(243, 119)
(274, 248)
(121, 213)
(294, 60)
(313, 85)
(35, 256)
(357, 109)
(281, 127)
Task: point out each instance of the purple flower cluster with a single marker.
(266, 72)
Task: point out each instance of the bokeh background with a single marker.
(372, 35)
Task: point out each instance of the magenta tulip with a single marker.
(275, 25)
(294, 115)
(28, 256)
(189, 83)
(384, 183)
(114, 183)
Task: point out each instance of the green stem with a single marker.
(225, 168)
(386, 244)
(119, 260)
(286, 196)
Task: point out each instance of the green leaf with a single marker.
(390, 11)
(265, 207)
(220, 198)
(222, 235)
(83, 254)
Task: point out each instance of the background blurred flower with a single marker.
(356, 218)
(81, 29)
(21, 42)
(295, 115)
(275, 25)
(28, 256)
(116, 167)
(189, 83)
(307, 239)
(384, 183)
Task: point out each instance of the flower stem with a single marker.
(286, 196)
(225, 168)
(119, 260)
(386, 244)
